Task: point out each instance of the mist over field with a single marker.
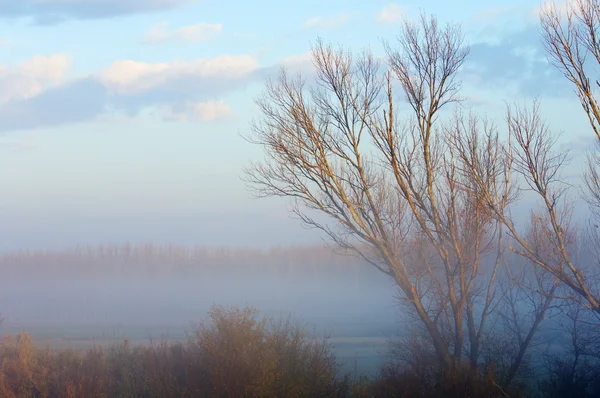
(173, 171)
(101, 295)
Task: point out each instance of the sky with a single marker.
(121, 120)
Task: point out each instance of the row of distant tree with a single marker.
(160, 259)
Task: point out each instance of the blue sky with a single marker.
(120, 119)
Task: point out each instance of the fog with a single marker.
(61, 230)
(98, 295)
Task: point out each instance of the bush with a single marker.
(396, 381)
(413, 371)
(571, 378)
(235, 354)
(244, 356)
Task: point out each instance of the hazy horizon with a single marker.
(99, 295)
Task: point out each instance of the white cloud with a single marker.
(31, 77)
(207, 111)
(36, 93)
(52, 67)
(298, 63)
(391, 13)
(193, 33)
(129, 77)
(132, 76)
(323, 22)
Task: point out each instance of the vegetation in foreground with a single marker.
(236, 354)
(239, 354)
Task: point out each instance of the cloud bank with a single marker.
(36, 93)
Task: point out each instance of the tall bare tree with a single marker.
(551, 239)
(399, 192)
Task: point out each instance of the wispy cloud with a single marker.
(177, 90)
(208, 111)
(299, 63)
(132, 77)
(326, 22)
(31, 77)
(160, 33)
(55, 11)
(391, 13)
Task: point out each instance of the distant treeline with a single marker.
(149, 259)
(166, 283)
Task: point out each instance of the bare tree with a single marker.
(572, 46)
(551, 240)
(528, 298)
(570, 40)
(400, 193)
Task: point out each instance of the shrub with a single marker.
(246, 356)
(413, 372)
(234, 354)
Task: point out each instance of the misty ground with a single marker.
(80, 299)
